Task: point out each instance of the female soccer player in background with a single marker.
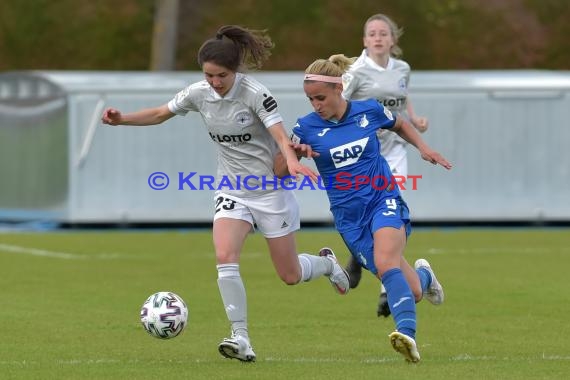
(232, 103)
(373, 219)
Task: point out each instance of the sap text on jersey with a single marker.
(348, 154)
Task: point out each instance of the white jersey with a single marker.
(364, 80)
(238, 124)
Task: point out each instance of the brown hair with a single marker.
(396, 32)
(236, 48)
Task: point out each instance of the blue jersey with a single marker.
(357, 178)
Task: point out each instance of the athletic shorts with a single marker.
(360, 241)
(275, 214)
(398, 164)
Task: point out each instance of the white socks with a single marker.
(234, 297)
(233, 293)
(314, 266)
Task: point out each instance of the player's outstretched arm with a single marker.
(147, 116)
(408, 133)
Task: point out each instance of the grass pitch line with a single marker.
(380, 360)
(491, 250)
(329, 360)
(53, 254)
(273, 359)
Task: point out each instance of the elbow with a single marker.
(162, 114)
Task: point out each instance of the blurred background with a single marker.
(492, 76)
(438, 34)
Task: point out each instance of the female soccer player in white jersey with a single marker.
(368, 211)
(379, 74)
(236, 105)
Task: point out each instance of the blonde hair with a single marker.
(335, 66)
(395, 31)
(342, 61)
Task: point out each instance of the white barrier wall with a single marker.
(505, 133)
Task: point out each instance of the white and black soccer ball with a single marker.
(164, 315)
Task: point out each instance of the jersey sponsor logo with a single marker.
(269, 103)
(348, 154)
(393, 102)
(323, 132)
(231, 138)
(243, 118)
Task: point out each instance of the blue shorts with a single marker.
(360, 241)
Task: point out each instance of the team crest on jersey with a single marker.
(402, 83)
(362, 121)
(243, 118)
(348, 154)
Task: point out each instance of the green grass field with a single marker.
(71, 301)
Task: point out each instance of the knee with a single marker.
(290, 278)
(226, 257)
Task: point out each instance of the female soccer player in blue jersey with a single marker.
(368, 210)
(380, 73)
(233, 103)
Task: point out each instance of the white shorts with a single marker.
(398, 164)
(275, 214)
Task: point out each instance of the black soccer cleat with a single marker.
(383, 307)
(354, 271)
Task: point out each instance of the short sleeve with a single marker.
(387, 119)
(186, 100)
(266, 108)
(297, 134)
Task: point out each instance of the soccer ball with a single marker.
(164, 315)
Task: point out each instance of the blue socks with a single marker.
(425, 278)
(401, 301)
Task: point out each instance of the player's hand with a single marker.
(435, 158)
(111, 116)
(303, 150)
(420, 123)
(296, 170)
